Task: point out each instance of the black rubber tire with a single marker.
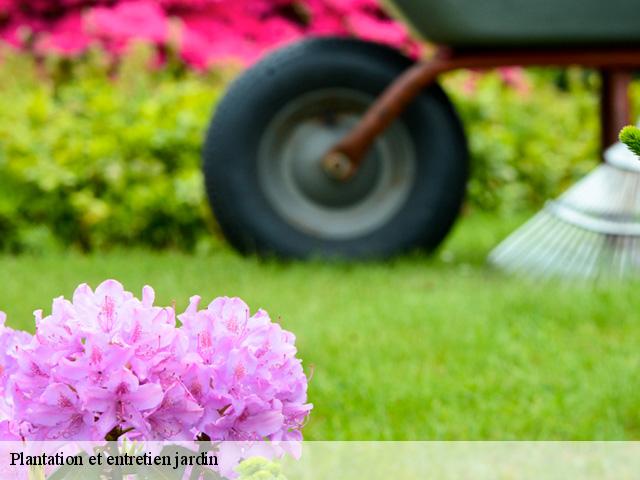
(230, 152)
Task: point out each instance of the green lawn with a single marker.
(419, 348)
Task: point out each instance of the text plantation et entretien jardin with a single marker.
(124, 459)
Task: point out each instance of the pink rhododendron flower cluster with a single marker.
(107, 364)
(207, 31)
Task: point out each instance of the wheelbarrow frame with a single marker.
(616, 64)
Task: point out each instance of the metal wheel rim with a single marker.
(291, 178)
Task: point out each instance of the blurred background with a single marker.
(105, 104)
(103, 109)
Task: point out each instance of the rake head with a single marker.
(592, 230)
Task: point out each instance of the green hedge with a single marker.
(93, 157)
(528, 146)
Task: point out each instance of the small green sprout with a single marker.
(259, 468)
(630, 136)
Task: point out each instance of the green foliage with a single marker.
(630, 136)
(93, 156)
(259, 468)
(527, 146)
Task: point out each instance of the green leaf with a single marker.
(630, 136)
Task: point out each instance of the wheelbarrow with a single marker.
(336, 147)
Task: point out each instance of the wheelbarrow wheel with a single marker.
(263, 150)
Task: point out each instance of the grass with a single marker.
(418, 348)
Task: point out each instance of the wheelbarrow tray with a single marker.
(518, 23)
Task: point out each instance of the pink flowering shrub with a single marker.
(203, 31)
(107, 364)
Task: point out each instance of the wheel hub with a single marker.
(308, 145)
(294, 181)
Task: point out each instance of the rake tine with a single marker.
(591, 231)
